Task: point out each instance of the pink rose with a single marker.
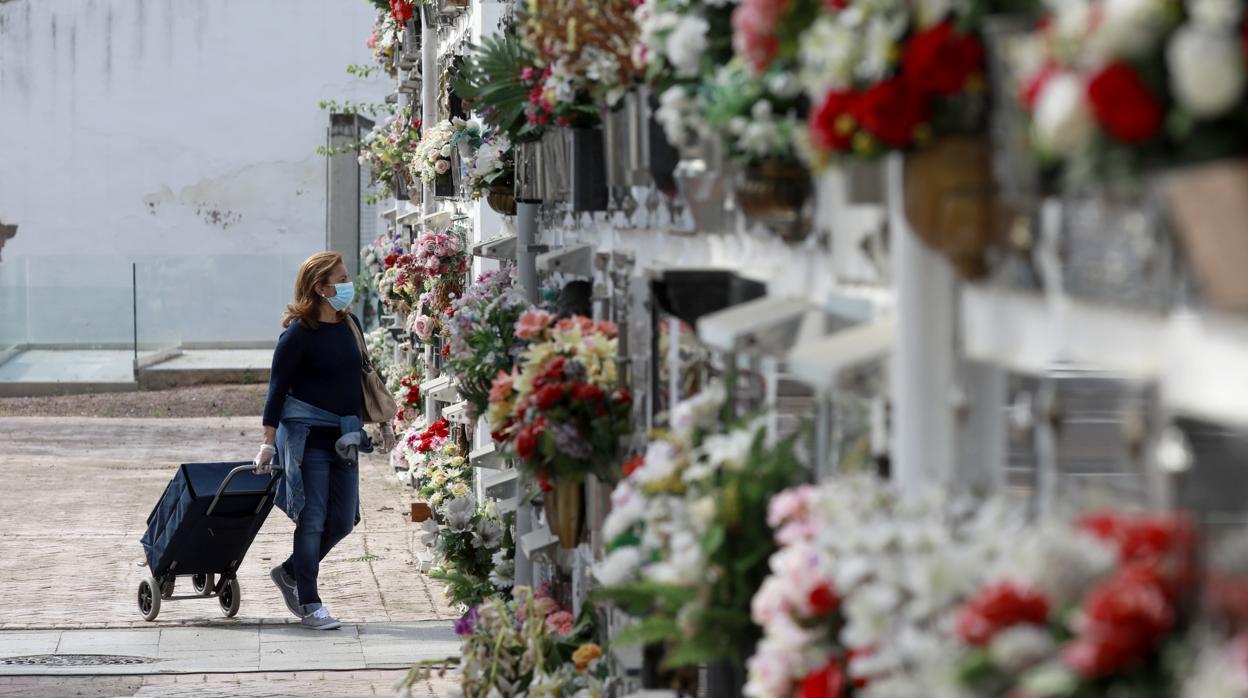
(533, 322)
(443, 166)
(422, 325)
(559, 623)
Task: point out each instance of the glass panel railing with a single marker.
(12, 307)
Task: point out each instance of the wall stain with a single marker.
(214, 216)
(7, 232)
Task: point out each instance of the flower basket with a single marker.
(502, 197)
(588, 177)
(1209, 205)
(777, 196)
(951, 202)
(529, 177)
(421, 512)
(565, 505)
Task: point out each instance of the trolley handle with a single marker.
(276, 469)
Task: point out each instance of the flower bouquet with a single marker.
(481, 335)
(432, 162)
(863, 589)
(384, 41)
(388, 150)
(441, 259)
(407, 397)
(490, 167)
(474, 549)
(1117, 91)
(689, 540)
(1086, 611)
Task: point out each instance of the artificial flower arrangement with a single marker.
(679, 41)
(489, 160)
(481, 335)
(474, 549)
(863, 589)
(436, 465)
(584, 58)
(388, 150)
(495, 80)
(384, 41)
(1114, 87)
(559, 409)
(1092, 610)
(525, 644)
(688, 533)
(413, 443)
(758, 116)
(889, 76)
(432, 161)
(407, 396)
(440, 260)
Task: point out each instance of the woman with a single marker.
(312, 418)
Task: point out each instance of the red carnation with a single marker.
(940, 60)
(891, 112)
(828, 121)
(587, 392)
(828, 682)
(548, 395)
(1000, 606)
(526, 440)
(823, 599)
(632, 464)
(391, 259)
(1123, 104)
(1125, 618)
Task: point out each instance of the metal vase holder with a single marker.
(556, 164)
(705, 183)
(530, 184)
(588, 178)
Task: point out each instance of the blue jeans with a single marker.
(331, 489)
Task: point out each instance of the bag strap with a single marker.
(367, 364)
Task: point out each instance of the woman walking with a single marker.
(313, 425)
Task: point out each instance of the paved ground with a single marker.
(76, 495)
(197, 401)
(348, 684)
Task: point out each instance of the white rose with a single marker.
(1061, 123)
(686, 44)
(1129, 27)
(445, 151)
(1206, 71)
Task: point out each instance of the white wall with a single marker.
(171, 127)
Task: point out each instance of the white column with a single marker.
(923, 358)
(428, 89)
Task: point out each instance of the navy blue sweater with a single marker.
(320, 367)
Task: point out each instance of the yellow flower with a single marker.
(585, 655)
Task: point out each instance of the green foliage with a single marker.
(490, 79)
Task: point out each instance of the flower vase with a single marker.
(703, 180)
(725, 678)
(502, 197)
(951, 203)
(565, 505)
(777, 196)
(615, 135)
(421, 512)
(638, 138)
(1208, 205)
(555, 164)
(444, 186)
(588, 177)
(529, 176)
(663, 156)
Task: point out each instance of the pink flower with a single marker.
(422, 325)
(559, 623)
(501, 389)
(754, 31)
(533, 323)
(793, 503)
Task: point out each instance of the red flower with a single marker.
(544, 483)
(1126, 616)
(526, 440)
(632, 464)
(823, 599)
(1000, 606)
(622, 396)
(1164, 543)
(891, 112)
(391, 259)
(401, 10)
(831, 126)
(587, 392)
(940, 60)
(1123, 104)
(548, 395)
(828, 682)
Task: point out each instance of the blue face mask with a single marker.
(345, 293)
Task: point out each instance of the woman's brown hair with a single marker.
(313, 272)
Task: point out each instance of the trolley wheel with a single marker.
(229, 598)
(149, 599)
(202, 584)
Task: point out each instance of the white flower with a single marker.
(503, 574)
(429, 533)
(1129, 27)
(1062, 124)
(1206, 70)
(1020, 647)
(659, 464)
(445, 151)
(702, 410)
(620, 565)
(686, 43)
(460, 489)
(459, 513)
(1216, 14)
(628, 507)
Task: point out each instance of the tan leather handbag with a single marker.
(379, 404)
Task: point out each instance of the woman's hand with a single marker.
(264, 459)
(387, 438)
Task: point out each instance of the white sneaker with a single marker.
(316, 617)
